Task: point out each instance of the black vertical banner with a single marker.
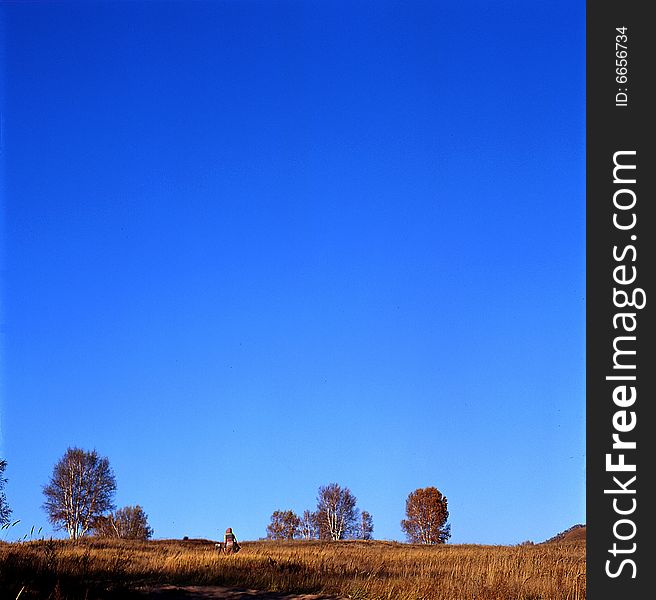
(621, 297)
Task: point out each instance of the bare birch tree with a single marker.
(81, 489)
(5, 511)
(365, 529)
(337, 514)
(309, 529)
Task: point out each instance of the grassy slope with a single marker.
(359, 570)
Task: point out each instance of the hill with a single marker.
(576, 533)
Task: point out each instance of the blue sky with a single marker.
(251, 248)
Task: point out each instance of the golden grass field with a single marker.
(357, 570)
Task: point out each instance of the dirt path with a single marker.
(211, 592)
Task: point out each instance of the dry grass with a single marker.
(357, 570)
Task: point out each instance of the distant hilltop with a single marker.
(574, 534)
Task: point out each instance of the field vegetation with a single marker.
(360, 570)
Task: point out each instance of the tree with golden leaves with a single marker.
(427, 513)
(285, 525)
(129, 522)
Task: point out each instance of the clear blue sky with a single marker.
(250, 248)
